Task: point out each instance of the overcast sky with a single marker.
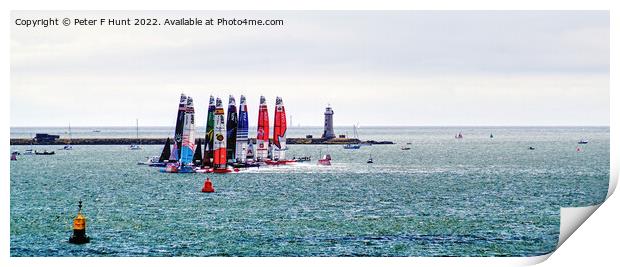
(374, 68)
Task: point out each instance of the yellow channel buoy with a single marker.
(79, 228)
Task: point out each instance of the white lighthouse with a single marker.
(328, 129)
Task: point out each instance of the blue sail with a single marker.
(242, 131)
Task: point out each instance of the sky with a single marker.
(373, 68)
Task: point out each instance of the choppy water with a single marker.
(444, 197)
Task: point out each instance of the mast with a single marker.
(231, 128)
(137, 132)
(242, 131)
(70, 136)
(188, 139)
(279, 130)
(262, 136)
(178, 130)
(208, 155)
(219, 133)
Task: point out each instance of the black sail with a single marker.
(231, 129)
(178, 129)
(165, 153)
(198, 154)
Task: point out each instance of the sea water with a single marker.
(476, 196)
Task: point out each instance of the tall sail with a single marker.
(188, 139)
(178, 129)
(165, 153)
(208, 155)
(242, 131)
(219, 133)
(262, 136)
(231, 128)
(197, 159)
(279, 131)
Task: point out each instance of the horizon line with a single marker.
(339, 126)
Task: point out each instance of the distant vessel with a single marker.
(136, 146)
(405, 148)
(14, 156)
(352, 146)
(262, 136)
(459, 136)
(583, 141)
(369, 159)
(96, 131)
(491, 136)
(325, 160)
(45, 152)
(68, 146)
(302, 159)
(531, 148)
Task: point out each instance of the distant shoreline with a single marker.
(161, 141)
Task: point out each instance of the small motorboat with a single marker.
(352, 146)
(67, 147)
(45, 152)
(153, 161)
(583, 141)
(405, 148)
(408, 143)
(531, 148)
(28, 152)
(302, 159)
(135, 147)
(325, 160)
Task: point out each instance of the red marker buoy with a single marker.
(208, 187)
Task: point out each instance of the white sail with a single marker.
(188, 146)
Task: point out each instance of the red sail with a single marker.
(279, 125)
(263, 121)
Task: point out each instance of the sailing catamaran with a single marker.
(178, 130)
(242, 132)
(279, 135)
(231, 129)
(219, 140)
(136, 146)
(208, 153)
(188, 138)
(262, 136)
(183, 147)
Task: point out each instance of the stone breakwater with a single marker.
(161, 141)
